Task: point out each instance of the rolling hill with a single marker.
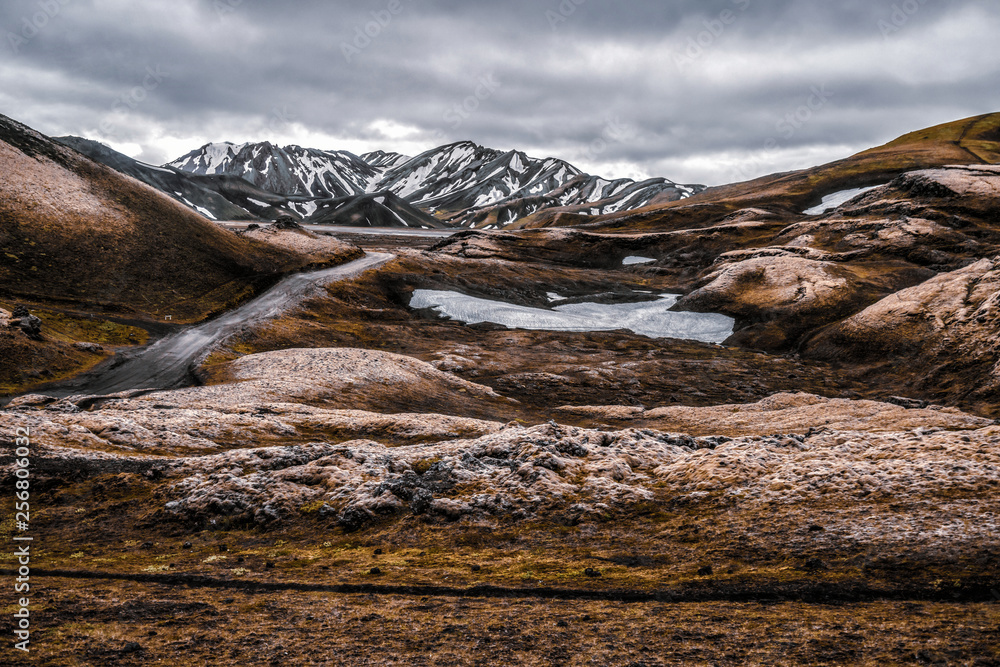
(77, 232)
(973, 140)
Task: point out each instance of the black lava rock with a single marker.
(286, 222)
(908, 403)
(421, 502)
(353, 519)
(30, 325)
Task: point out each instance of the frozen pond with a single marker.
(837, 199)
(648, 318)
(631, 261)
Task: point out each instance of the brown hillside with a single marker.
(83, 235)
(95, 253)
(973, 140)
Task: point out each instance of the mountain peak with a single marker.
(457, 181)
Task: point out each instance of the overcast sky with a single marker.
(703, 91)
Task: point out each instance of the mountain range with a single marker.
(457, 185)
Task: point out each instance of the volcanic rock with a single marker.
(26, 322)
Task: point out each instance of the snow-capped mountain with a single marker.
(290, 171)
(463, 183)
(209, 159)
(218, 195)
(462, 176)
(384, 160)
(460, 184)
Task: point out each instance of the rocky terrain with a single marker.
(378, 475)
(449, 468)
(291, 237)
(292, 477)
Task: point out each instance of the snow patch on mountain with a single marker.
(463, 184)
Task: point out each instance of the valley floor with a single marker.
(357, 483)
(105, 623)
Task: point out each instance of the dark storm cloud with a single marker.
(692, 90)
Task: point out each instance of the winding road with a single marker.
(168, 363)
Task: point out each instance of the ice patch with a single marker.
(649, 318)
(631, 261)
(400, 218)
(837, 199)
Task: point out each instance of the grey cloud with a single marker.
(252, 69)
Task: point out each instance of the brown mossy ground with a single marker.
(769, 599)
(26, 363)
(656, 547)
(782, 589)
(115, 623)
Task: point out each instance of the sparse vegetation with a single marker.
(418, 491)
